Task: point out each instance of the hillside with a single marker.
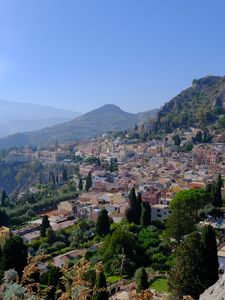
(201, 105)
(106, 118)
(19, 117)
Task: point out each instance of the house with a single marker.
(160, 212)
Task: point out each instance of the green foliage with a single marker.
(185, 212)
(196, 266)
(210, 270)
(103, 223)
(44, 225)
(121, 243)
(198, 106)
(88, 182)
(100, 291)
(4, 218)
(133, 213)
(188, 147)
(15, 254)
(141, 279)
(80, 186)
(177, 140)
(145, 214)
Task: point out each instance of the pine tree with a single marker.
(103, 223)
(145, 214)
(44, 225)
(88, 182)
(141, 280)
(100, 292)
(80, 184)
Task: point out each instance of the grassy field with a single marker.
(160, 285)
(113, 279)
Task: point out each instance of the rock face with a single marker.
(216, 291)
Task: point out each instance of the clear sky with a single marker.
(79, 55)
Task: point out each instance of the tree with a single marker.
(103, 223)
(80, 186)
(88, 182)
(99, 161)
(145, 214)
(211, 265)
(176, 139)
(185, 212)
(122, 243)
(44, 225)
(218, 195)
(50, 234)
(64, 175)
(133, 213)
(15, 254)
(196, 266)
(139, 208)
(4, 196)
(184, 276)
(141, 280)
(4, 219)
(100, 291)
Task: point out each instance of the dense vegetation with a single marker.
(199, 106)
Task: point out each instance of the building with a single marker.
(160, 212)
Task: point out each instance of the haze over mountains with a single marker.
(106, 118)
(202, 105)
(19, 117)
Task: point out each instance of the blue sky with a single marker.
(79, 55)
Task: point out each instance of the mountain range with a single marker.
(19, 117)
(106, 118)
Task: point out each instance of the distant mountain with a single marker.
(19, 117)
(202, 105)
(106, 118)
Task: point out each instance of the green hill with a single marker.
(202, 105)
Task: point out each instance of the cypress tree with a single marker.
(145, 214)
(218, 195)
(139, 208)
(44, 225)
(88, 182)
(100, 292)
(103, 223)
(210, 258)
(80, 186)
(131, 213)
(141, 280)
(64, 175)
